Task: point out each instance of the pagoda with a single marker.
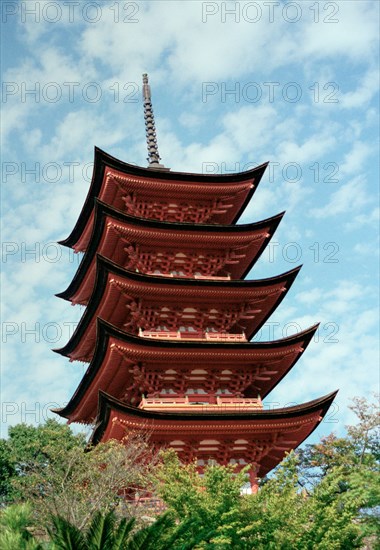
(169, 316)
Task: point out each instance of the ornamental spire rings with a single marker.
(150, 128)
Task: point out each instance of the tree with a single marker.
(7, 471)
(336, 509)
(48, 466)
(30, 449)
(75, 485)
(15, 522)
(201, 504)
(105, 531)
(102, 533)
(212, 514)
(365, 436)
(325, 497)
(360, 447)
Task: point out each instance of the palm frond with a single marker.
(122, 532)
(65, 535)
(100, 533)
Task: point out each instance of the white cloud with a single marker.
(367, 88)
(346, 30)
(344, 353)
(350, 197)
(354, 159)
(364, 220)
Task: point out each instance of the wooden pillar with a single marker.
(253, 479)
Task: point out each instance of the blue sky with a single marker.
(234, 84)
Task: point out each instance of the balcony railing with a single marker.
(185, 276)
(196, 335)
(225, 337)
(201, 403)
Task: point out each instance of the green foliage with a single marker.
(211, 495)
(365, 435)
(326, 497)
(279, 516)
(105, 532)
(91, 481)
(333, 511)
(7, 471)
(48, 466)
(360, 447)
(28, 451)
(15, 522)
(155, 536)
(337, 508)
(200, 503)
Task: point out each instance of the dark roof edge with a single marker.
(105, 267)
(107, 403)
(102, 210)
(123, 166)
(106, 330)
(115, 269)
(108, 266)
(106, 209)
(103, 159)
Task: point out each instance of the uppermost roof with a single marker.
(113, 179)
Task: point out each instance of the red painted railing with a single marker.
(201, 402)
(197, 335)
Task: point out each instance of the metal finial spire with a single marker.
(150, 129)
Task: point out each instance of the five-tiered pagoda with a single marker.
(169, 317)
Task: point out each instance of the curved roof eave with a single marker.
(102, 210)
(106, 330)
(103, 159)
(107, 403)
(104, 267)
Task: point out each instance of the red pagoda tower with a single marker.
(169, 317)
